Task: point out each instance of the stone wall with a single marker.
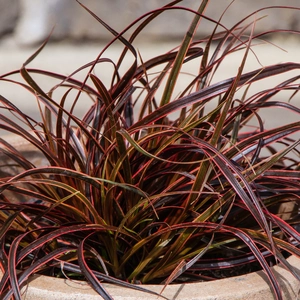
(30, 21)
(9, 12)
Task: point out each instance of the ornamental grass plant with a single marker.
(150, 186)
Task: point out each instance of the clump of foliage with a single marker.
(159, 199)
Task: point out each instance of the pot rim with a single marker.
(250, 286)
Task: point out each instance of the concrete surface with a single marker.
(64, 58)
